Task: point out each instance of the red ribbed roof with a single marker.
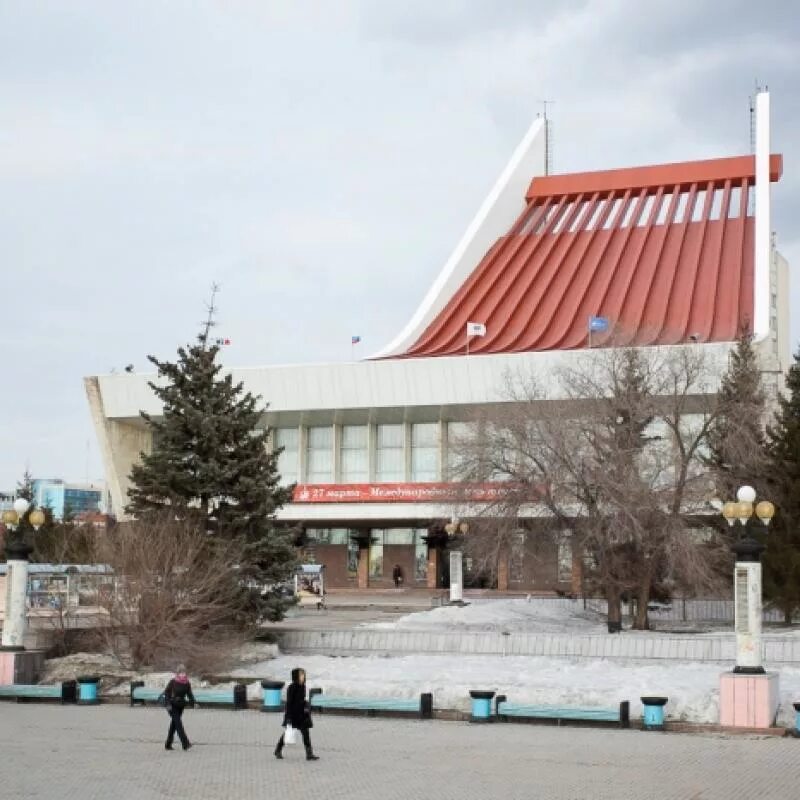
(663, 252)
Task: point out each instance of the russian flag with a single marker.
(355, 339)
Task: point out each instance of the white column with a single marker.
(456, 577)
(748, 616)
(763, 237)
(16, 612)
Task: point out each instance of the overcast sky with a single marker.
(317, 159)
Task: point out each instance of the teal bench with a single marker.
(236, 697)
(66, 692)
(619, 716)
(421, 706)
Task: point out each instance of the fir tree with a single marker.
(782, 556)
(736, 443)
(210, 461)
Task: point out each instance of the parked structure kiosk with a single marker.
(309, 585)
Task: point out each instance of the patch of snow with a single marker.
(692, 688)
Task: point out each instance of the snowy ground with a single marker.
(515, 616)
(692, 688)
(537, 616)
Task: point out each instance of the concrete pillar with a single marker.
(456, 576)
(433, 567)
(362, 575)
(16, 611)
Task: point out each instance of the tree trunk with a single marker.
(787, 615)
(641, 622)
(614, 600)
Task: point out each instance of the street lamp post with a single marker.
(17, 553)
(748, 606)
(455, 526)
(748, 694)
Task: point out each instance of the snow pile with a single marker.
(115, 679)
(515, 616)
(692, 688)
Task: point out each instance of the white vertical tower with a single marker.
(763, 224)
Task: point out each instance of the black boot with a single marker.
(168, 745)
(279, 749)
(310, 755)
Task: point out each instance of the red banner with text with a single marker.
(398, 492)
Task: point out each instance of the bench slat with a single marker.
(383, 704)
(142, 693)
(555, 712)
(34, 690)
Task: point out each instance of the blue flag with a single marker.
(598, 324)
(355, 339)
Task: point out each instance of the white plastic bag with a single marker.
(290, 735)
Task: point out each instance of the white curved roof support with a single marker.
(763, 223)
(498, 212)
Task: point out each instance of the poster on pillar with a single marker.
(456, 577)
(748, 613)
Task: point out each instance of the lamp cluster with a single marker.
(455, 526)
(13, 516)
(743, 508)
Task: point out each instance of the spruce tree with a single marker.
(782, 556)
(736, 443)
(210, 461)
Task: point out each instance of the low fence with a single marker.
(680, 610)
(629, 645)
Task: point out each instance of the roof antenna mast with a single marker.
(548, 138)
(209, 322)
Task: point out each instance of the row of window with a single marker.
(400, 453)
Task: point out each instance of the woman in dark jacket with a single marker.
(176, 696)
(298, 713)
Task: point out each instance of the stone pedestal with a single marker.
(748, 701)
(21, 666)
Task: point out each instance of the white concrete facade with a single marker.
(408, 391)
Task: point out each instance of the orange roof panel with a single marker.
(664, 253)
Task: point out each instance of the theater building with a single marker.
(679, 255)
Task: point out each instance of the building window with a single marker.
(353, 463)
(328, 535)
(376, 554)
(398, 536)
(320, 455)
(288, 439)
(389, 454)
(459, 435)
(425, 452)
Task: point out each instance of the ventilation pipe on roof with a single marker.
(763, 243)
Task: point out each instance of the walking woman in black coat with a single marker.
(298, 713)
(177, 694)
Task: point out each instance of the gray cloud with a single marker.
(319, 160)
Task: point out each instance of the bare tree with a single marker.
(616, 459)
(177, 595)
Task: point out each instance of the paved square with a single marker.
(97, 753)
